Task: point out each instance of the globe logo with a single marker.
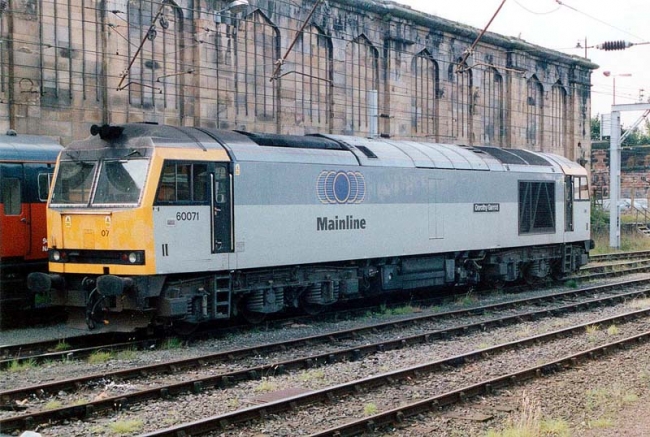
(341, 187)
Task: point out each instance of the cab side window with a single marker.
(183, 183)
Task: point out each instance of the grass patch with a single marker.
(99, 357)
(630, 241)
(233, 403)
(370, 409)
(126, 426)
(126, 355)
(639, 303)
(555, 427)
(21, 366)
(61, 346)
(402, 311)
(52, 405)
(172, 343)
(312, 375)
(613, 330)
(266, 386)
(571, 283)
(600, 423)
(467, 300)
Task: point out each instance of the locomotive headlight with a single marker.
(133, 257)
(56, 255)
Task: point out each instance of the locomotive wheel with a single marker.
(497, 284)
(313, 309)
(184, 329)
(252, 317)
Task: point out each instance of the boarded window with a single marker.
(536, 207)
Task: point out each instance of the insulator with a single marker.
(614, 45)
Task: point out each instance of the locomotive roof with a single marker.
(327, 149)
(28, 148)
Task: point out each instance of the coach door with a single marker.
(14, 216)
(222, 209)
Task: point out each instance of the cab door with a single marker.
(221, 203)
(15, 216)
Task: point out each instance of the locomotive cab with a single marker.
(113, 197)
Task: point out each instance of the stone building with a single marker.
(68, 64)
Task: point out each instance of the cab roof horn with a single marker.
(106, 132)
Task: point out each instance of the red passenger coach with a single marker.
(26, 166)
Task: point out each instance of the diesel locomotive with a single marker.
(26, 166)
(177, 225)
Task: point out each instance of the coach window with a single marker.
(44, 183)
(11, 196)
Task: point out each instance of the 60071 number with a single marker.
(186, 216)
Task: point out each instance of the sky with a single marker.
(561, 25)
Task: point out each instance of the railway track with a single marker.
(356, 352)
(413, 374)
(84, 346)
(642, 254)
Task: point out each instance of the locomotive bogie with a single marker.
(209, 224)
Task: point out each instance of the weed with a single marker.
(601, 422)
(639, 303)
(312, 375)
(468, 299)
(401, 311)
(99, 357)
(127, 355)
(571, 283)
(52, 405)
(21, 366)
(233, 403)
(370, 409)
(555, 427)
(629, 398)
(592, 330)
(266, 386)
(172, 343)
(61, 346)
(126, 426)
(484, 346)
(525, 331)
(613, 330)
(527, 423)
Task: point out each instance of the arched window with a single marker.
(55, 56)
(462, 103)
(493, 113)
(155, 78)
(362, 75)
(558, 118)
(312, 79)
(257, 48)
(424, 95)
(534, 113)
